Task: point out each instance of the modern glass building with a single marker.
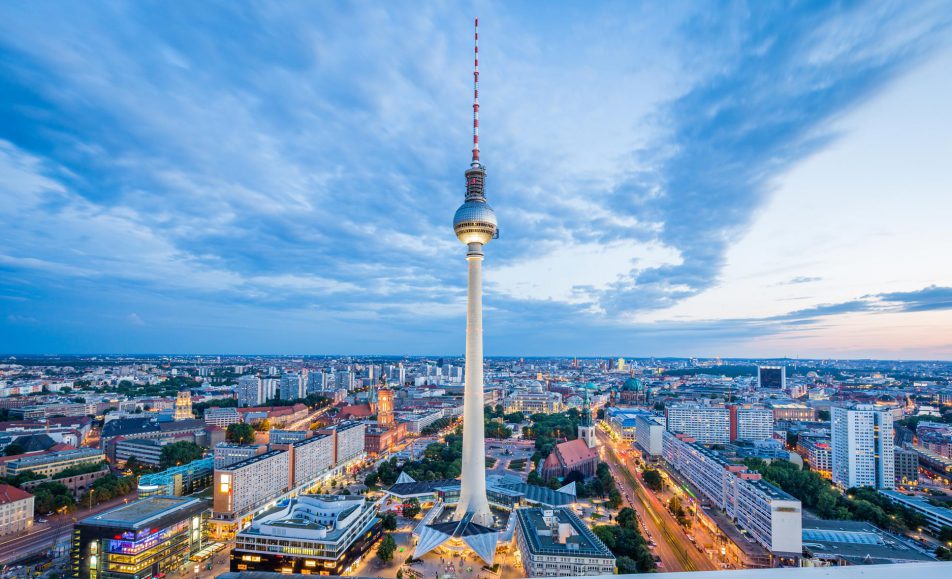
(150, 537)
(178, 480)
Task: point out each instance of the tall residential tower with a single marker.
(474, 224)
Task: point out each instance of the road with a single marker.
(677, 553)
(43, 536)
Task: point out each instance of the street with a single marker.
(43, 536)
(676, 551)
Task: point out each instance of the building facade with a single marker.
(772, 517)
(150, 537)
(16, 510)
(249, 391)
(863, 451)
(556, 543)
(309, 535)
(648, 432)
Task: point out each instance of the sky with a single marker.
(742, 179)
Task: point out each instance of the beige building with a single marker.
(242, 488)
(16, 510)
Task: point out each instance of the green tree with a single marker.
(240, 433)
(386, 548)
(653, 479)
(179, 453)
(389, 522)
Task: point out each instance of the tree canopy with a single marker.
(179, 453)
(240, 433)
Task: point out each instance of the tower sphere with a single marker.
(475, 222)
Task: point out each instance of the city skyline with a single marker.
(761, 182)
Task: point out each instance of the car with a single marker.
(40, 520)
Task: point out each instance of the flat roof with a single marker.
(583, 543)
(251, 460)
(146, 511)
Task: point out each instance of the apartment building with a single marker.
(772, 517)
(228, 453)
(241, 488)
(863, 451)
(348, 440)
(249, 391)
(706, 424)
(312, 457)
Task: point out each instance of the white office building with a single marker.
(863, 450)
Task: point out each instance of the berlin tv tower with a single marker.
(474, 224)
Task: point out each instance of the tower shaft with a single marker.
(472, 497)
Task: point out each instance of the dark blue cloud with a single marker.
(927, 299)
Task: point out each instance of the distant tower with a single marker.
(586, 428)
(384, 405)
(183, 405)
(474, 224)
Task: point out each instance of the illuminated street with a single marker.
(676, 551)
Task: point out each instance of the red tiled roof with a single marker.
(10, 494)
(574, 452)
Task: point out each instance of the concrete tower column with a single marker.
(473, 480)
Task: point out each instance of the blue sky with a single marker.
(757, 180)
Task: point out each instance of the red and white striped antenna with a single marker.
(476, 95)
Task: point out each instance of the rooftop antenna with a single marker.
(475, 162)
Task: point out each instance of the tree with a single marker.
(240, 433)
(653, 479)
(823, 415)
(14, 449)
(389, 522)
(386, 548)
(411, 509)
(179, 453)
(627, 519)
(262, 425)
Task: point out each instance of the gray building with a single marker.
(556, 543)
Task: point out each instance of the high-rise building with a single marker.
(772, 377)
(345, 380)
(720, 424)
(750, 422)
(863, 452)
(317, 381)
(706, 424)
(292, 387)
(249, 391)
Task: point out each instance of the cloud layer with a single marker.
(281, 177)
